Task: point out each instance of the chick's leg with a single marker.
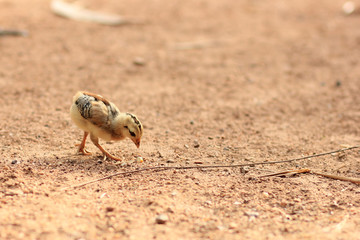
(82, 145)
(95, 140)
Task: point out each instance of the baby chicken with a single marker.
(102, 119)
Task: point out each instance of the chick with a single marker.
(102, 119)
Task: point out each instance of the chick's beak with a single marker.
(137, 142)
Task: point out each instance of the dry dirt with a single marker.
(214, 82)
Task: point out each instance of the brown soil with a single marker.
(259, 81)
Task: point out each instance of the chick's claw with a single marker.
(84, 151)
(108, 155)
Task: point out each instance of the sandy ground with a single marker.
(213, 82)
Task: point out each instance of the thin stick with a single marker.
(13, 32)
(163, 168)
(75, 12)
(348, 179)
(305, 170)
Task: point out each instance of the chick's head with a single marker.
(133, 128)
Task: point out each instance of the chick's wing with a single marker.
(99, 114)
(93, 110)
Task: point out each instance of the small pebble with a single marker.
(139, 61)
(161, 219)
(348, 7)
(14, 162)
(221, 228)
(192, 122)
(253, 178)
(232, 225)
(110, 209)
(196, 144)
(245, 169)
(139, 160)
(170, 161)
(265, 194)
(170, 210)
(186, 146)
(251, 214)
(124, 164)
(160, 154)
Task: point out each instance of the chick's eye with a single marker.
(132, 133)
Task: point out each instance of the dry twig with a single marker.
(13, 32)
(78, 13)
(305, 170)
(348, 179)
(163, 168)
